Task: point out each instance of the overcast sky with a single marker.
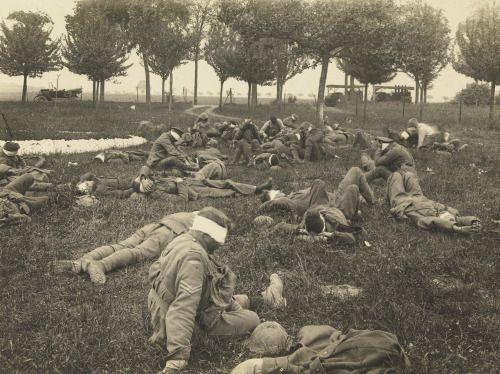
(306, 83)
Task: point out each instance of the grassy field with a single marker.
(67, 324)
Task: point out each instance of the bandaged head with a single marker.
(314, 222)
(11, 148)
(85, 188)
(212, 222)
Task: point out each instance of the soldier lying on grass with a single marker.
(145, 244)
(323, 349)
(408, 202)
(298, 202)
(207, 182)
(190, 288)
(15, 207)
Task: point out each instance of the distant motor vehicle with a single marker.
(50, 94)
(393, 93)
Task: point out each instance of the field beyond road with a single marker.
(60, 323)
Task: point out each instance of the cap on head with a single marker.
(247, 121)
(269, 338)
(273, 118)
(11, 148)
(314, 222)
(203, 116)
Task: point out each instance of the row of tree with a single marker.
(261, 42)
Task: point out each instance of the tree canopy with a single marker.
(26, 47)
(478, 48)
(94, 46)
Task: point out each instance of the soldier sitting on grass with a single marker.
(165, 155)
(12, 166)
(189, 288)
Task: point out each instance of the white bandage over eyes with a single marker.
(324, 223)
(404, 135)
(273, 194)
(298, 136)
(10, 153)
(209, 227)
(384, 145)
(175, 135)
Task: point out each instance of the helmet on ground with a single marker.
(263, 221)
(269, 338)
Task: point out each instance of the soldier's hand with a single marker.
(251, 366)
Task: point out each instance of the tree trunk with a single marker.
(163, 90)
(171, 94)
(421, 111)
(321, 89)
(148, 82)
(346, 83)
(279, 91)
(492, 104)
(254, 95)
(425, 94)
(249, 94)
(25, 88)
(93, 91)
(364, 104)
(220, 93)
(97, 93)
(351, 93)
(417, 90)
(102, 91)
(196, 58)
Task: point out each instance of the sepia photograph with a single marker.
(249, 186)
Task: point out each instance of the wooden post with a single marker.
(404, 102)
(137, 92)
(7, 127)
(460, 111)
(356, 95)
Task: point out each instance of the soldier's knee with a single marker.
(250, 320)
(356, 171)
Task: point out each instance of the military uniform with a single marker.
(248, 142)
(146, 243)
(14, 206)
(164, 153)
(408, 202)
(188, 287)
(323, 349)
(298, 202)
(393, 158)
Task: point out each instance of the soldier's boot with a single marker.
(273, 295)
(96, 272)
(66, 266)
(265, 186)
